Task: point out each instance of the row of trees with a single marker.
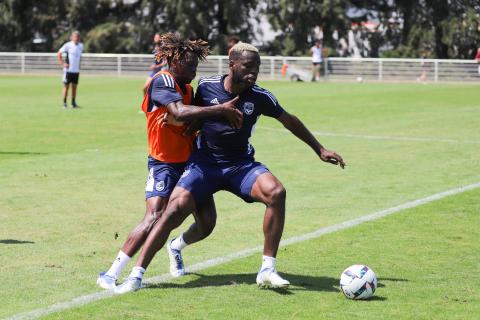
(403, 28)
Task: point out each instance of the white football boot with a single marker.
(269, 278)
(130, 285)
(106, 282)
(177, 269)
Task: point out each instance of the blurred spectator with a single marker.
(477, 57)
(231, 41)
(69, 56)
(423, 66)
(316, 51)
(318, 33)
(342, 47)
(157, 65)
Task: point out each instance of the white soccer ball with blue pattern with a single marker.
(358, 282)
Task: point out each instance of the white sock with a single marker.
(117, 266)
(137, 272)
(178, 243)
(268, 262)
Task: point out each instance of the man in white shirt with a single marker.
(71, 66)
(316, 51)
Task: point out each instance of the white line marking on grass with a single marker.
(372, 137)
(82, 300)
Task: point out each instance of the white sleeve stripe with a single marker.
(210, 81)
(268, 95)
(168, 81)
(164, 80)
(171, 81)
(261, 90)
(213, 79)
(272, 97)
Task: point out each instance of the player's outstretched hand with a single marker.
(332, 157)
(232, 114)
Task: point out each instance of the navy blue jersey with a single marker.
(162, 91)
(218, 140)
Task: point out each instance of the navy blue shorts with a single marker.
(203, 178)
(162, 178)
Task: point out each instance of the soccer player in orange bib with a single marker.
(224, 159)
(168, 107)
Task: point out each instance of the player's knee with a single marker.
(151, 219)
(277, 195)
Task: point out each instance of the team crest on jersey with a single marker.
(248, 108)
(160, 186)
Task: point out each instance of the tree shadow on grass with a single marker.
(298, 282)
(13, 241)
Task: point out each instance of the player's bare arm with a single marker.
(296, 126)
(60, 59)
(192, 127)
(190, 113)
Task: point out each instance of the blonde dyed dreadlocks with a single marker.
(172, 48)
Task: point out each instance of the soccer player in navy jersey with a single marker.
(224, 160)
(169, 96)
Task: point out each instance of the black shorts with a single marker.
(71, 77)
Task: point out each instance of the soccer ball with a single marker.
(358, 282)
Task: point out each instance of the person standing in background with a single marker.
(477, 57)
(316, 51)
(231, 41)
(72, 51)
(424, 67)
(157, 65)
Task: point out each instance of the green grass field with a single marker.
(70, 180)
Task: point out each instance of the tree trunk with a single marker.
(440, 14)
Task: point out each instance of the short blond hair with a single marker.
(241, 47)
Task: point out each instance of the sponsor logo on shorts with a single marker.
(185, 173)
(248, 108)
(160, 186)
(150, 181)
